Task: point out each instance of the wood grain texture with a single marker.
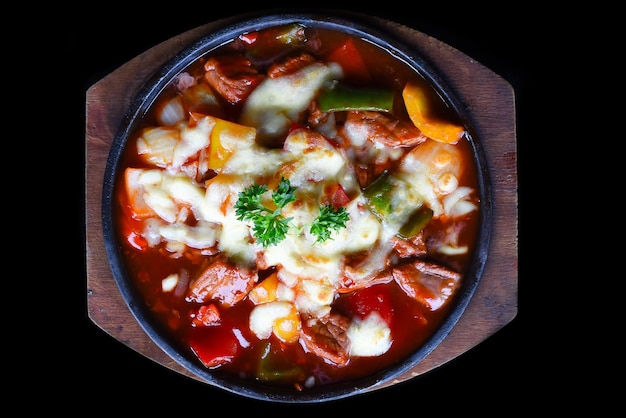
(490, 103)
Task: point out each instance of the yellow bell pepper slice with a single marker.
(287, 328)
(265, 291)
(226, 138)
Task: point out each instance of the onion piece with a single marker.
(171, 112)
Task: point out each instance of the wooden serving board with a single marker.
(491, 104)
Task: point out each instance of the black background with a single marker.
(487, 379)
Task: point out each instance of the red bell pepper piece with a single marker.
(214, 346)
(348, 56)
(336, 196)
(374, 298)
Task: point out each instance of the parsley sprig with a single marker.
(329, 219)
(270, 227)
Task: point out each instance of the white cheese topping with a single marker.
(277, 102)
(369, 337)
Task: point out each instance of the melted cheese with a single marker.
(277, 102)
(192, 140)
(431, 171)
(311, 163)
(369, 337)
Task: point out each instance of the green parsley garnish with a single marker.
(327, 220)
(270, 227)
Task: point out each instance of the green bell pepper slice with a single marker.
(341, 97)
(379, 195)
(386, 199)
(416, 222)
(271, 367)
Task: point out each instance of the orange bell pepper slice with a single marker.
(419, 110)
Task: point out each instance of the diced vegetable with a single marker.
(341, 97)
(169, 283)
(416, 222)
(287, 329)
(378, 194)
(293, 34)
(273, 367)
(266, 44)
(215, 346)
(336, 195)
(170, 112)
(135, 191)
(348, 56)
(156, 145)
(374, 298)
(265, 291)
(393, 202)
(201, 99)
(419, 110)
(226, 138)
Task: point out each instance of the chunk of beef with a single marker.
(290, 65)
(327, 338)
(428, 283)
(367, 269)
(222, 281)
(414, 247)
(381, 128)
(349, 284)
(315, 116)
(232, 76)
